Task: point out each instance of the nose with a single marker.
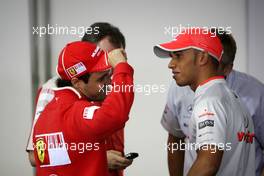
(172, 64)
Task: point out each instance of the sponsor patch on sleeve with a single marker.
(88, 112)
(206, 123)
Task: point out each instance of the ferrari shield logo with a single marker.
(72, 71)
(40, 149)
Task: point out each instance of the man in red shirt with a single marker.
(69, 135)
(108, 38)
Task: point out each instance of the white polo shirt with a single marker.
(44, 96)
(178, 111)
(218, 119)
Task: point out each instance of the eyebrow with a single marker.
(175, 52)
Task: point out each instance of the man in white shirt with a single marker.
(179, 104)
(220, 130)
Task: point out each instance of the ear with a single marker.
(75, 83)
(202, 58)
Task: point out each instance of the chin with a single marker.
(180, 83)
(98, 98)
(101, 98)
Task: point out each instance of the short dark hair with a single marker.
(106, 29)
(229, 46)
(63, 83)
(214, 61)
(116, 38)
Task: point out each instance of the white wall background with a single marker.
(142, 23)
(256, 38)
(15, 89)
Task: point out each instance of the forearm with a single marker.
(31, 158)
(202, 169)
(207, 163)
(175, 157)
(112, 114)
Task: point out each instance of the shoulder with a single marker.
(177, 93)
(215, 93)
(179, 98)
(51, 83)
(245, 82)
(175, 89)
(215, 98)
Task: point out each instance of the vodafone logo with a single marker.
(245, 137)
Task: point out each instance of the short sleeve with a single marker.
(210, 122)
(169, 119)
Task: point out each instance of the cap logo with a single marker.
(76, 69)
(97, 51)
(175, 37)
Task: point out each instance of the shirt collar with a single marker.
(208, 83)
(71, 89)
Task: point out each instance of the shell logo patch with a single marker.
(40, 149)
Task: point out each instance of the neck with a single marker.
(202, 78)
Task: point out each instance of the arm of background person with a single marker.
(170, 123)
(175, 157)
(31, 158)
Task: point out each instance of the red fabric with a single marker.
(79, 58)
(210, 79)
(116, 142)
(197, 38)
(65, 115)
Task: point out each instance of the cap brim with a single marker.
(163, 50)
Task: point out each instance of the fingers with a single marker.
(116, 56)
(116, 161)
(121, 163)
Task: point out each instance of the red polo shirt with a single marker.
(70, 134)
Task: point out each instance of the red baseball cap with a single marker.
(196, 38)
(79, 58)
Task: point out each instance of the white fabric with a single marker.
(180, 103)
(45, 96)
(216, 120)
